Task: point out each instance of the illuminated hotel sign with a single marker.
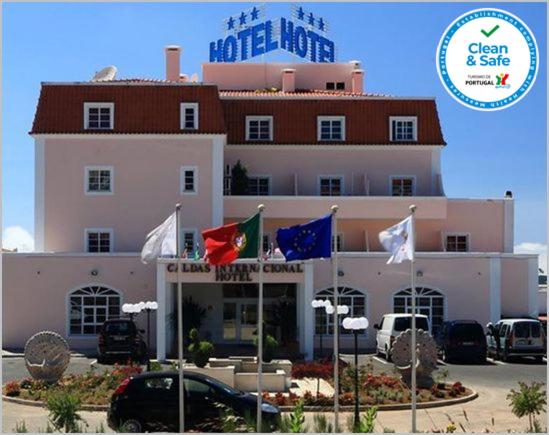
(248, 35)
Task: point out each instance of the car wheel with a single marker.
(101, 359)
(538, 359)
(504, 356)
(445, 357)
(131, 426)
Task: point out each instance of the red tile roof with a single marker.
(146, 106)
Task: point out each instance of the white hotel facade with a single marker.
(112, 159)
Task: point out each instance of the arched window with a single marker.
(90, 306)
(428, 301)
(354, 299)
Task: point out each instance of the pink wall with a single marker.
(146, 188)
(231, 76)
(282, 163)
(35, 288)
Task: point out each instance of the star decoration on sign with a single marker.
(230, 23)
(255, 13)
(311, 19)
(242, 18)
(321, 24)
(300, 13)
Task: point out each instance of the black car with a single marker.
(151, 402)
(462, 340)
(121, 340)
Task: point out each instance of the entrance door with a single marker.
(248, 321)
(239, 321)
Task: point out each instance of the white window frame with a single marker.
(344, 292)
(87, 231)
(183, 107)
(182, 180)
(259, 118)
(340, 177)
(185, 231)
(87, 170)
(457, 234)
(401, 177)
(319, 120)
(402, 119)
(269, 177)
(98, 105)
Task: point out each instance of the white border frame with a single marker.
(321, 118)
(321, 176)
(67, 309)
(269, 177)
(414, 185)
(404, 119)
(182, 170)
(99, 105)
(259, 118)
(445, 235)
(89, 168)
(182, 108)
(87, 231)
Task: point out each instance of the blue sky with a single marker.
(487, 152)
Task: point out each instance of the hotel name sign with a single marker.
(235, 272)
(248, 35)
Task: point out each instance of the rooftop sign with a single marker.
(248, 35)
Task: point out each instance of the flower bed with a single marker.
(91, 388)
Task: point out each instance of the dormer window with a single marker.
(331, 128)
(259, 128)
(403, 128)
(189, 116)
(332, 86)
(98, 116)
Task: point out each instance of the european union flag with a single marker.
(310, 240)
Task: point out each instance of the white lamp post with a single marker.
(356, 324)
(148, 307)
(321, 303)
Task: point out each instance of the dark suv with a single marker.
(120, 339)
(463, 340)
(150, 402)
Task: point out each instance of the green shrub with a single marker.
(366, 423)
(528, 400)
(63, 408)
(156, 366)
(297, 419)
(21, 427)
(270, 345)
(199, 351)
(321, 424)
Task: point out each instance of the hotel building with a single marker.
(112, 158)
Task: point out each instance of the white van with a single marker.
(516, 338)
(391, 326)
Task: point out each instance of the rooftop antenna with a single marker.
(194, 78)
(106, 74)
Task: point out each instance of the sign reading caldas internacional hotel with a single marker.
(248, 35)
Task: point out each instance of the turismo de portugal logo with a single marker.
(487, 59)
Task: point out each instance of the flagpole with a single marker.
(336, 325)
(260, 208)
(413, 344)
(179, 319)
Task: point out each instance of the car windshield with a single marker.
(119, 327)
(466, 331)
(404, 323)
(522, 329)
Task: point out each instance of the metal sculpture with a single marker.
(47, 355)
(426, 357)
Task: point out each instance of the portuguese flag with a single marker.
(229, 242)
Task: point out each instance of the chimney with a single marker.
(357, 81)
(288, 80)
(173, 54)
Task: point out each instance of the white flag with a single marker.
(160, 241)
(399, 240)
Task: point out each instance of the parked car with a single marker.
(461, 340)
(120, 339)
(391, 326)
(516, 338)
(150, 401)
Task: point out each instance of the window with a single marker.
(259, 128)
(266, 243)
(340, 86)
(90, 306)
(98, 240)
(402, 186)
(354, 299)
(188, 241)
(331, 128)
(227, 180)
(259, 185)
(457, 243)
(99, 180)
(330, 185)
(403, 128)
(98, 116)
(428, 302)
(159, 384)
(189, 180)
(189, 116)
(338, 239)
